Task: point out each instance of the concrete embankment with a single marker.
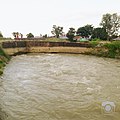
(16, 47)
(111, 49)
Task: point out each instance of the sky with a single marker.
(38, 16)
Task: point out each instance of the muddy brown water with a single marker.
(60, 87)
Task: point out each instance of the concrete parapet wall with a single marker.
(14, 44)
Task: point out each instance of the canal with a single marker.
(60, 87)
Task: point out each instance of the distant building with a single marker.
(77, 38)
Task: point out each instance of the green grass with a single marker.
(94, 43)
(55, 40)
(3, 54)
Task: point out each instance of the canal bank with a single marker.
(97, 48)
(17, 47)
(4, 59)
(105, 49)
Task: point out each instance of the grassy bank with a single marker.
(4, 58)
(55, 40)
(105, 49)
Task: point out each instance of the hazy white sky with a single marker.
(38, 16)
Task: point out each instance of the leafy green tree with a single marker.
(85, 31)
(1, 35)
(45, 36)
(30, 35)
(111, 23)
(57, 31)
(71, 34)
(99, 33)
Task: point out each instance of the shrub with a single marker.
(96, 39)
(113, 49)
(94, 43)
(2, 53)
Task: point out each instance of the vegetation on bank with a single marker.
(55, 40)
(4, 58)
(105, 49)
(113, 49)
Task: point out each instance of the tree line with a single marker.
(109, 28)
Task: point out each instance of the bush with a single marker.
(113, 49)
(94, 43)
(1, 72)
(4, 58)
(2, 53)
(96, 39)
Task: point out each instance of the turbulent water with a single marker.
(60, 87)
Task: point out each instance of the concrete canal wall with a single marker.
(14, 47)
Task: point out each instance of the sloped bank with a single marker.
(4, 59)
(110, 49)
(18, 47)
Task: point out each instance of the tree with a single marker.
(85, 31)
(57, 31)
(21, 35)
(45, 36)
(16, 35)
(99, 33)
(71, 34)
(30, 35)
(1, 35)
(111, 23)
